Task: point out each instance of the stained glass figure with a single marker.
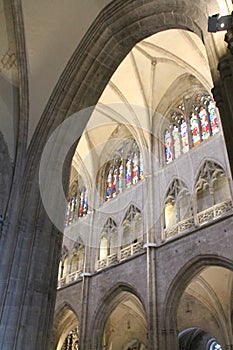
(109, 185)
(213, 118)
(128, 172)
(115, 182)
(205, 132)
(176, 142)
(141, 172)
(194, 124)
(135, 172)
(121, 177)
(184, 136)
(168, 147)
(85, 202)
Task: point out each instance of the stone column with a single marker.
(223, 95)
(170, 339)
(30, 252)
(150, 246)
(89, 266)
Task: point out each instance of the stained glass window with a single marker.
(125, 170)
(77, 207)
(189, 127)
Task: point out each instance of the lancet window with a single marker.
(190, 123)
(124, 170)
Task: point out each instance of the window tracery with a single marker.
(109, 239)
(189, 126)
(77, 258)
(178, 214)
(131, 226)
(213, 197)
(124, 170)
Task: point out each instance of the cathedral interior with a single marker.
(116, 171)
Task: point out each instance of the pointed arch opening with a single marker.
(201, 297)
(126, 326)
(66, 330)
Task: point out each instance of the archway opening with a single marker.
(204, 311)
(126, 326)
(66, 330)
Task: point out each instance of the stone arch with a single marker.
(143, 20)
(65, 320)
(178, 286)
(186, 84)
(91, 62)
(106, 305)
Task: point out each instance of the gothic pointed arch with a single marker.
(110, 312)
(65, 329)
(131, 226)
(181, 281)
(77, 261)
(178, 211)
(108, 244)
